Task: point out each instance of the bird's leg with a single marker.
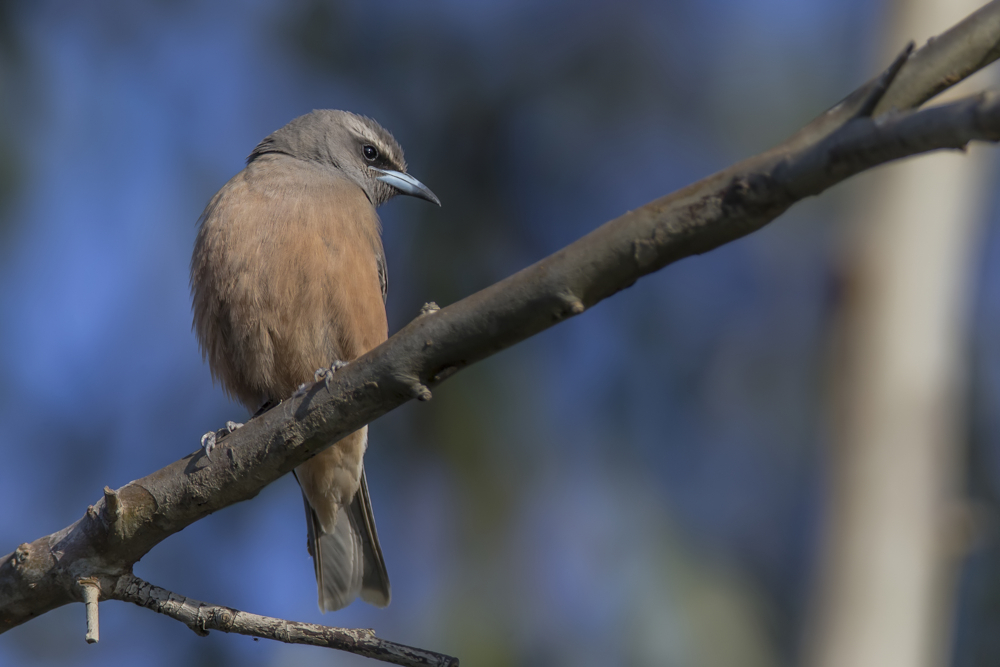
(264, 407)
(326, 374)
(209, 440)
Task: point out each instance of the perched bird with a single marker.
(288, 276)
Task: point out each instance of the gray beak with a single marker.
(406, 184)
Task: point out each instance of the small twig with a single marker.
(943, 61)
(881, 83)
(202, 617)
(113, 505)
(91, 591)
(113, 512)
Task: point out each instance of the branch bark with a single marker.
(125, 524)
(202, 617)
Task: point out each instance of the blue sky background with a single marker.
(639, 486)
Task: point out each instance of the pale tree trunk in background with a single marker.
(888, 568)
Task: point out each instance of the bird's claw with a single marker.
(209, 440)
(326, 374)
(208, 444)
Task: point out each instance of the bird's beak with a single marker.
(406, 184)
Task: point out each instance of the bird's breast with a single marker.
(285, 278)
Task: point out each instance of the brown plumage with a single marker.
(288, 276)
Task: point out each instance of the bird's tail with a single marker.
(349, 560)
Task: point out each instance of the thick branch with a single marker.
(124, 525)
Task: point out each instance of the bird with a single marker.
(288, 277)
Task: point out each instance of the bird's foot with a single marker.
(209, 440)
(326, 374)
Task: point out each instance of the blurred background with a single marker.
(659, 481)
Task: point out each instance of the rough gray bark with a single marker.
(124, 525)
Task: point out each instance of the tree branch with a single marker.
(125, 524)
(202, 617)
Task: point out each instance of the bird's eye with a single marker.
(370, 152)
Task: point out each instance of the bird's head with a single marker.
(357, 146)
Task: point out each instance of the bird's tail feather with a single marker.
(348, 561)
